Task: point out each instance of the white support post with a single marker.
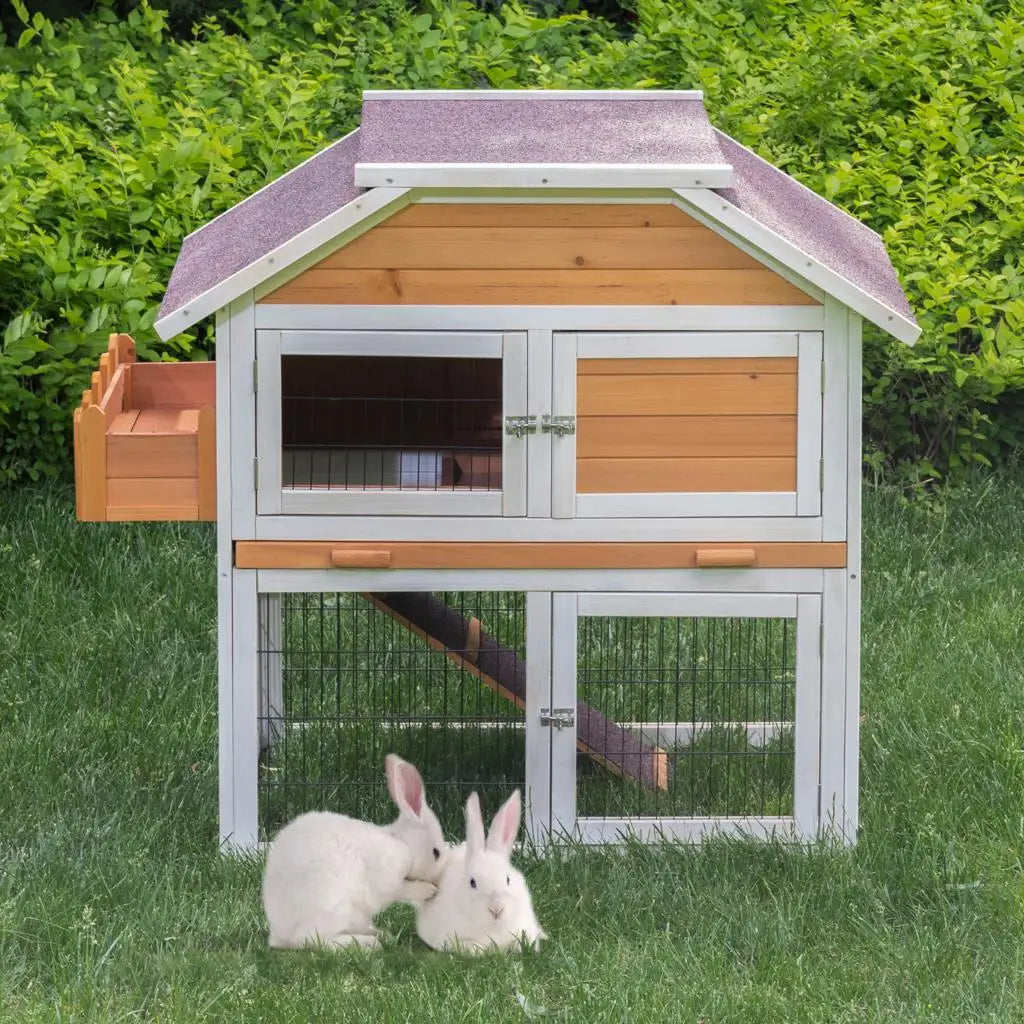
(538, 737)
(835, 420)
(563, 695)
(808, 751)
(244, 834)
(851, 778)
(833, 705)
(240, 512)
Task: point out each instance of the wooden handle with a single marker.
(723, 558)
(367, 559)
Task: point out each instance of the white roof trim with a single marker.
(722, 212)
(534, 94)
(284, 255)
(458, 175)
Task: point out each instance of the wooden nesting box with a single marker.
(577, 346)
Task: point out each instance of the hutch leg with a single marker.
(834, 708)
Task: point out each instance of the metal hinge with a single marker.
(255, 377)
(821, 474)
(520, 426)
(256, 474)
(821, 640)
(558, 717)
(823, 376)
(560, 425)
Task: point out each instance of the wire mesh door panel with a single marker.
(345, 678)
(693, 713)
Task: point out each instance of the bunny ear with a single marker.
(474, 825)
(404, 785)
(505, 826)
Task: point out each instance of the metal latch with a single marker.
(520, 426)
(560, 425)
(558, 717)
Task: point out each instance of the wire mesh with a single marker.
(711, 701)
(343, 682)
(388, 423)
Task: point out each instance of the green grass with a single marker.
(114, 904)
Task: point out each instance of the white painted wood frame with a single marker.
(270, 689)
(286, 316)
(833, 704)
(241, 418)
(538, 402)
(834, 444)
(564, 619)
(244, 832)
(563, 403)
(805, 609)
(274, 499)
(809, 467)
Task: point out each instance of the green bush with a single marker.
(116, 140)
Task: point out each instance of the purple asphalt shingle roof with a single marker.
(256, 226)
(823, 231)
(563, 130)
(537, 131)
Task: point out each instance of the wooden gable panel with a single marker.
(539, 254)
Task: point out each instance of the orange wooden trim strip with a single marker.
(666, 437)
(670, 394)
(266, 554)
(539, 248)
(699, 364)
(684, 476)
(359, 558)
(540, 287)
(92, 436)
(207, 458)
(152, 514)
(543, 215)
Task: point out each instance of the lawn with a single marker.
(115, 905)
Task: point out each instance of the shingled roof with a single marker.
(534, 139)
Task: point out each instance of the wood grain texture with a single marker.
(684, 476)
(539, 254)
(539, 287)
(672, 394)
(92, 437)
(529, 554)
(665, 437)
(155, 493)
(620, 367)
(543, 215)
(206, 441)
(152, 455)
(180, 384)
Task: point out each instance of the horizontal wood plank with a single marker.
(153, 492)
(530, 555)
(695, 436)
(152, 455)
(684, 476)
(180, 384)
(699, 395)
(540, 287)
(167, 420)
(551, 215)
(153, 514)
(441, 248)
(723, 364)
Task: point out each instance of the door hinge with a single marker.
(821, 474)
(560, 425)
(823, 376)
(821, 640)
(560, 718)
(520, 426)
(256, 474)
(255, 377)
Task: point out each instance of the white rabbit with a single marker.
(482, 902)
(327, 875)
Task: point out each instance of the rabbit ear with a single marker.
(505, 826)
(404, 785)
(474, 825)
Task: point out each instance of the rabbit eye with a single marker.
(508, 881)
(437, 853)
(472, 883)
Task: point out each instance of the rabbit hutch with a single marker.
(533, 444)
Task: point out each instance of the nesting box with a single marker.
(538, 447)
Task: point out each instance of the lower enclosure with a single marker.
(649, 714)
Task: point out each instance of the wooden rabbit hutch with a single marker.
(538, 461)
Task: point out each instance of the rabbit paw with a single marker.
(417, 891)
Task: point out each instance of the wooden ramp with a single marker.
(464, 642)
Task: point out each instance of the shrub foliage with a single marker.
(116, 140)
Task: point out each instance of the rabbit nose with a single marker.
(497, 911)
